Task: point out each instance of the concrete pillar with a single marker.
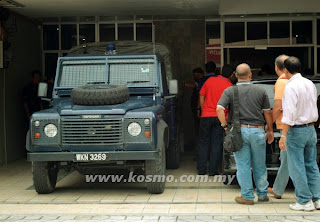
(185, 39)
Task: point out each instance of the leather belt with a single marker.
(251, 126)
(302, 125)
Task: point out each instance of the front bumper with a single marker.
(111, 156)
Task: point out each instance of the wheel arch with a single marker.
(28, 139)
(163, 134)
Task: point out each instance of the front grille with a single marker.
(91, 131)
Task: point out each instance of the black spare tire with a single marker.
(99, 94)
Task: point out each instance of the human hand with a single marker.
(270, 137)
(282, 143)
(199, 113)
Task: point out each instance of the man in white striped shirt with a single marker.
(299, 137)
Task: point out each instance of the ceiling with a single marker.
(37, 9)
(63, 8)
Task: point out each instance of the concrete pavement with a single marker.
(76, 200)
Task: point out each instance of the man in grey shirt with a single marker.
(254, 109)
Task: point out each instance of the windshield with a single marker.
(131, 72)
(75, 73)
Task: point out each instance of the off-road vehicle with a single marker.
(109, 111)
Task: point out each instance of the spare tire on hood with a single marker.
(99, 94)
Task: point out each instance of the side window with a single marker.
(164, 80)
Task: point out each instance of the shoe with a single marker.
(201, 174)
(306, 207)
(317, 204)
(266, 199)
(213, 174)
(273, 193)
(241, 200)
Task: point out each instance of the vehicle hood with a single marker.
(66, 107)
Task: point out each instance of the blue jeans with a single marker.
(302, 163)
(252, 153)
(282, 178)
(210, 133)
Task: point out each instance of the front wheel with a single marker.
(157, 170)
(44, 176)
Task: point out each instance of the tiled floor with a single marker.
(74, 196)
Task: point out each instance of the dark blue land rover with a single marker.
(114, 111)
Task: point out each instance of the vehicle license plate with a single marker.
(85, 157)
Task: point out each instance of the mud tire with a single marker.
(99, 94)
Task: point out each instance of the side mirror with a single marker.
(42, 89)
(173, 87)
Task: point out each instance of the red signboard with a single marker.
(213, 54)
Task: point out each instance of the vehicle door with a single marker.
(169, 102)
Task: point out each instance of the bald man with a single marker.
(254, 108)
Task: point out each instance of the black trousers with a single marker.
(210, 134)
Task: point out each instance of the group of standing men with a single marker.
(294, 111)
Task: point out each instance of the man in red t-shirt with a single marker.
(210, 130)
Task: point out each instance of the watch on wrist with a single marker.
(283, 136)
(224, 126)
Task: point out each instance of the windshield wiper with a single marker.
(137, 81)
(95, 82)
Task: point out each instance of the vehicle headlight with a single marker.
(147, 121)
(134, 129)
(50, 130)
(36, 123)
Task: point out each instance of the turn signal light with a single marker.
(37, 135)
(147, 134)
